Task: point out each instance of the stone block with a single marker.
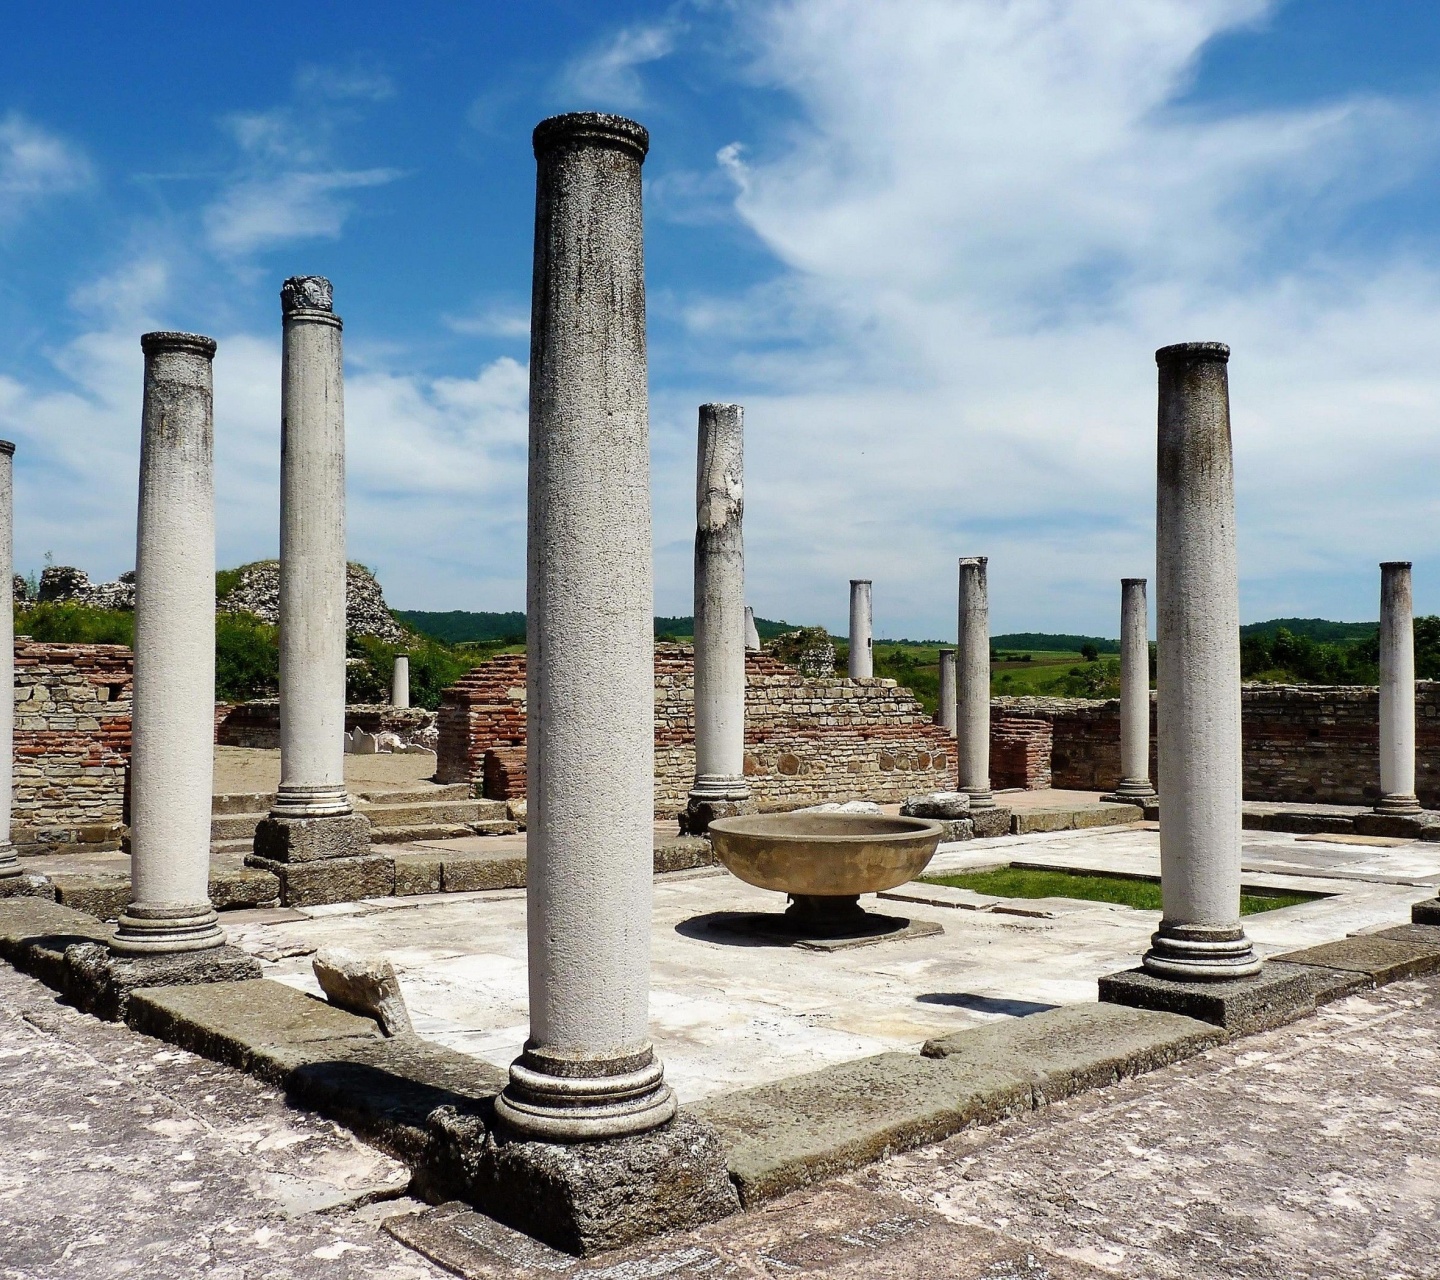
(367, 985)
(1427, 912)
(1278, 994)
(234, 885)
(299, 840)
(103, 897)
(1405, 826)
(583, 1197)
(35, 932)
(416, 873)
(684, 853)
(1078, 1047)
(313, 884)
(1380, 957)
(956, 829)
(101, 982)
(794, 1132)
(988, 823)
(477, 871)
(941, 805)
(1031, 821)
(259, 1026)
(27, 886)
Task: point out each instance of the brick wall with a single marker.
(1315, 744)
(806, 741)
(1020, 752)
(72, 744)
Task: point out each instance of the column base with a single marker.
(583, 1198)
(1200, 953)
(980, 797)
(100, 983)
(1397, 804)
(551, 1099)
(9, 863)
(1134, 791)
(706, 804)
(167, 928)
(311, 802)
(290, 839)
(1275, 995)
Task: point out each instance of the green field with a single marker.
(1127, 891)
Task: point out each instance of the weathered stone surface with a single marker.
(103, 897)
(27, 886)
(1428, 934)
(1078, 1047)
(1278, 994)
(1427, 912)
(1029, 821)
(259, 1026)
(416, 872)
(366, 613)
(1418, 826)
(234, 885)
(311, 884)
(584, 1197)
(683, 854)
(34, 933)
(102, 983)
(297, 840)
(367, 985)
(957, 829)
(470, 872)
(1384, 959)
(807, 1128)
(937, 804)
(988, 823)
(1301, 820)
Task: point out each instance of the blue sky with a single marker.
(930, 245)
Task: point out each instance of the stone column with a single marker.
(972, 701)
(588, 1070)
(9, 864)
(1134, 784)
(312, 818)
(172, 752)
(945, 714)
(400, 682)
(1397, 691)
(1198, 612)
(720, 788)
(862, 645)
(752, 636)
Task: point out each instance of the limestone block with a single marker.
(100, 982)
(312, 884)
(365, 985)
(937, 804)
(312, 839)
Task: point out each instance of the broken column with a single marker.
(400, 682)
(945, 713)
(173, 729)
(752, 636)
(1134, 784)
(1397, 691)
(862, 646)
(9, 864)
(312, 818)
(588, 1070)
(972, 700)
(720, 788)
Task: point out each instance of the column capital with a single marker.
(591, 128)
(164, 340)
(1192, 353)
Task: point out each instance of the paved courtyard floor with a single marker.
(729, 1012)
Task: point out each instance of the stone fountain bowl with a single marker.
(825, 855)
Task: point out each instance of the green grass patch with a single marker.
(1127, 891)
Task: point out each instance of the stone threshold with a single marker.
(411, 1097)
(1338, 819)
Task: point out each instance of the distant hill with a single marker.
(1043, 640)
(1319, 629)
(458, 626)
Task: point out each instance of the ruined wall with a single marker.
(257, 723)
(1315, 744)
(805, 740)
(1020, 753)
(72, 744)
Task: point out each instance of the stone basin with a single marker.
(825, 861)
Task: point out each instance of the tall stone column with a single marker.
(1198, 613)
(862, 645)
(9, 864)
(945, 715)
(1134, 781)
(1397, 691)
(752, 636)
(972, 702)
(588, 1070)
(172, 751)
(720, 788)
(312, 818)
(400, 682)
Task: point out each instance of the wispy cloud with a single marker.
(608, 75)
(257, 213)
(492, 320)
(36, 164)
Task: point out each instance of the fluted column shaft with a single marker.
(1197, 602)
(1397, 691)
(588, 1069)
(972, 699)
(173, 727)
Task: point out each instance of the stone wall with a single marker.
(1020, 753)
(806, 741)
(72, 744)
(1317, 744)
(257, 723)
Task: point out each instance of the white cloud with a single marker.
(36, 164)
(256, 213)
(989, 214)
(493, 320)
(608, 75)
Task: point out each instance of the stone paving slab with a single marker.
(34, 933)
(1381, 957)
(1032, 821)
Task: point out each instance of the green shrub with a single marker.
(64, 623)
(433, 667)
(247, 658)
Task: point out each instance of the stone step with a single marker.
(241, 802)
(237, 826)
(421, 794)
(232, 885)
(430, 831)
